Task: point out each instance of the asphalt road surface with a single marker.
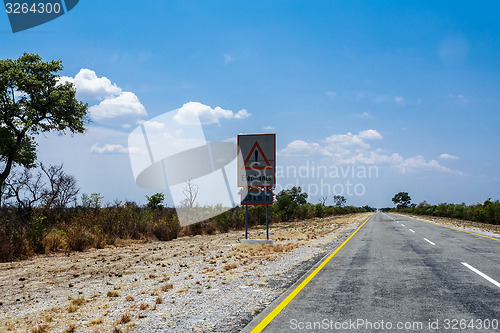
(401, 275)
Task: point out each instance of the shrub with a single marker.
(319, 210)
(222, 222)
(55, 240)
(166, 229)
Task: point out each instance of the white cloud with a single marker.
(108, 148)
(190, 112)
(242, 114)
(331, 94)
(370, 134)
(364, 115)
(152, 124)
(459, 98)
(399, 99)
(90, 86)
(232, 139)
(448, 157)
(356, 149)
(114, 102)
(419, 163)
(228, 58)
(268, 128)
(125, 105)
(337, 141)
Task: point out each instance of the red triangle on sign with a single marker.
(257, 147)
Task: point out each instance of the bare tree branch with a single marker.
(190, 191)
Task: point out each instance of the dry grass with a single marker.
(167, 287)
(125, 318)
(143, 306)
(113, 293)
(71, 329)
(129, 298)
(159, 300)
(230, 266)
(97, 321)
(268, 251)
(73, 308)
(78, 301)
(40, 329)
(117, 330)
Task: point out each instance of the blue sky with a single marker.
(410, 88)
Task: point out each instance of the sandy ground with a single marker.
(192, 284)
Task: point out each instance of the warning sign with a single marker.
(257, 160)
(251, 163)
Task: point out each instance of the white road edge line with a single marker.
(402, 224)
(481, 274)
(428, 241)
(412, 230)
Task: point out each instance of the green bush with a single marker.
(319, 210)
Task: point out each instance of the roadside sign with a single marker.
(257, 160)
(257, 197)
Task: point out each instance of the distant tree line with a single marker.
(486, 212)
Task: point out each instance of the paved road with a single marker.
(399, 274)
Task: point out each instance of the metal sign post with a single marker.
(267, 222)
(246, 222)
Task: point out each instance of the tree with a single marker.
(32, 101)
(296, 195)
(27, 188)
(155, 201)
(190, 192)
(49, 186)
(93, 201)
(402, 199)
(339, 200)
(287, 201)
(63, 189)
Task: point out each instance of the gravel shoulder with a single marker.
(484, 229)
(207, 283)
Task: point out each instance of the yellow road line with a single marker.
(301, 286)
(444, 226)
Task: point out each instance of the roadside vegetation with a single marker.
(486, 212)
(34, 227)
